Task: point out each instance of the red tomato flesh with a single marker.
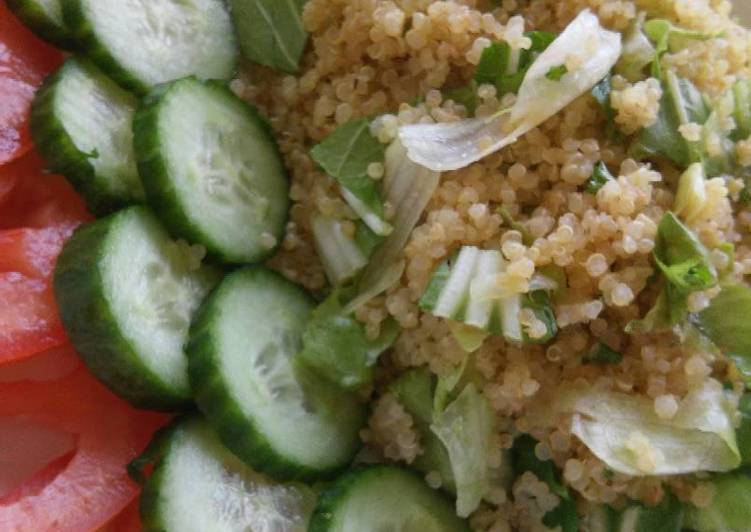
(24, 62)
(82, 490)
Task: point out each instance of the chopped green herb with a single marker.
(602, 354)
(557, 72)
(600, 176)
(683, 259)
(743, 433)
(539, 303)
(601, 93)
(271, 32)
(345, 155)
(509, 221)
(525, 459)
(466, 96)
(366, 239)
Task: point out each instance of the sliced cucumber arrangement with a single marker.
(212, 169)
(126, 294)
(267, 410)
(142, 43)
(82, 124)
(199, 486)
(384, 498)
(44, 18)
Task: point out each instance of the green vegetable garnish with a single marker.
(602, 354)
(556, 73)
(345, 155)
(600, 176)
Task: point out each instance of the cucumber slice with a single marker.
(384, 498)
(82, 124)
(127, 294)
(214, 172)
(199, 486)
(142, 43)
(44, 18)
(268, 411)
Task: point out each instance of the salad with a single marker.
(374, 266)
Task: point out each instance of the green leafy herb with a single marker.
(505, 68)
(681, 103)
(602, 354)
(557, 72)
(726, 323)
(600, 176)
(638, 52)
(509, 221)
(271, 32)
(683, 259)
(539, 302)
(716, 148)
(336, 347)
(601, 93)
(686, 266)
(345, 155)
(466, 96)
(524, 459)
(668, 37)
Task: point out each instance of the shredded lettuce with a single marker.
(584, 43)
(726, 323)
(408, 187)
(336, 347)
(742, 111)
(340, 255)
(665, 517)
(691, 196)
(668, 37)
(469, 338)
(638, 52)
(345, 155)
(466, 427)
(625, 433)
(730, 510)
(743, 432)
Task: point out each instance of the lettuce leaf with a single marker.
(668, 37)
(336, 347)
(726, 323)
(730, 509)
(465, 427)
(625, 433)
(450, 146)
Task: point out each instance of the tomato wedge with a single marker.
(129, 520)
(24, 62)
(38, 199)
(83, 490)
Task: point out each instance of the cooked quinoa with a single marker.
(369, 58)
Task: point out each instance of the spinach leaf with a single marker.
(345, 155)
(539, 302)
(682, 258)
(601, 93)
(336, 347)
(726, 323)
(524, 459)
(270, 32)
(602, 354)
(600, 176)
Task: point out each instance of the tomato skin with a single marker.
(25, 61)
(38, 199)
(92, 485)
